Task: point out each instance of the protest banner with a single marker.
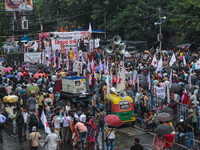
(32, 57)
(18, 5)
(160, 91)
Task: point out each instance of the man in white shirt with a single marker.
(56, 121)
(66, 128)
(25, 116)
(52, 141)
(2, 121)
(82, 117)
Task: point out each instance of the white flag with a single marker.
(184, 61)
(45, 123)
(160, 64)
(173, 60)
(88, 66)
(154, 61)
(121, 82)
(149, 80)
(197, 65)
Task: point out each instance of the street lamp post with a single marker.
(159, 22)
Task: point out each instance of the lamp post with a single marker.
(159, 22)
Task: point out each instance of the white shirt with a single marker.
(57, 122)
(2, 119)
(53, 78)
(66, 121)
(52, 140)
(25, 116)
(83, 118)
(68, 108)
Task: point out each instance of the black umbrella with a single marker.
(194, 78)
(164, 129)
(60, 103)
(191, 89)
(40, 66)
(176, 87)
(164, 117)
(166, 110)
(131, 62)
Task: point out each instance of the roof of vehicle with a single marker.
(73, 77)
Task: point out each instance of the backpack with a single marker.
(33, 120)
(101, 120)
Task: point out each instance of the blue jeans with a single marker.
(189, 138)
(110, 142)
(102, 130)
(83, 135)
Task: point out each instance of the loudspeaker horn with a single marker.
(117, 39)
(51, 36)
(109, 49)
(122, 48)
(122, 95)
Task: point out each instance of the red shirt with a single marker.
(170, 139)
(92, 82)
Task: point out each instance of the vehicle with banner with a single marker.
(123, 107)
(74, 89)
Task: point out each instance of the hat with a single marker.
(34, 129)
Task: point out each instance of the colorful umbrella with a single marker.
(8, 69)
(33, 88)
(113, 120)
(39, 74)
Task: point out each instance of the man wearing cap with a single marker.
(34, 139)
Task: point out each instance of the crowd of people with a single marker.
(79, 125)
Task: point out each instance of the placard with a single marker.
(160, 92)
(18, 5)
(32, 57)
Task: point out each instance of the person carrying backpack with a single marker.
(100, 123)
(33, 120)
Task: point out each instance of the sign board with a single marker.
(124, 105)
(18, 5)
(68, 39)
(32, 57)
(33, 69)
(160, 92)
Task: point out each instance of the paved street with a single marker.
(124, 141)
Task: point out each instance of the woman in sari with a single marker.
(91, 130)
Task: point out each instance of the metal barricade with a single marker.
(183, 111)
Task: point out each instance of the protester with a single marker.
(100, 123)
(169, 141)
(34, 139)
(20, 122)
(92, 129)
(2, 121)
(189, 130)
(158, 142)
(82, 129)
(137, 145)
(110, 137)
(52, 141)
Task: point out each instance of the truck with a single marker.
(75, 89)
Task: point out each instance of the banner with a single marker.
(160, 92)
(32, 57)
(68, 39)
(18, 5)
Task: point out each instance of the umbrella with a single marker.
(8, 69)
(33, 88)
(191, 89)
(61, 103)
(176, 87)
(147, 52)
(164, 129)
(129, 61)
(113, 120)
(40, 66)
(166, 110)
(39, 74)
(164, 117)
(194, 78)
(10, 76)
